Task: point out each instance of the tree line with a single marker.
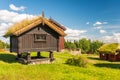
(4, 45)
(86, 45)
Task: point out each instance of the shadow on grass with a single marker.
(93, 58)
(9, 58)
(108, 65)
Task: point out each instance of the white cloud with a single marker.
(105, 23)
(117, 35)
(71, 38)
(73, 34)
(9, 16)
(102, 31)
(15, 8)
(3, 28)
(115, 38)
(87, 22)
(98, 27)
(99, 23)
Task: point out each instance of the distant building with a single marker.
(110, 52)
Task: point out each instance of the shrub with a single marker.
(80, 61)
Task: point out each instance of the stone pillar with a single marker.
(28, 58)
(38, 54)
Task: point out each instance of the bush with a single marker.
(80, 61)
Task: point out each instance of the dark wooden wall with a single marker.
(26, 41)
(13, 44)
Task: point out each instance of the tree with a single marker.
(73, 46)
(66, 44)
(3, 45)
(95, 45)
(76, 44)
(85, 45)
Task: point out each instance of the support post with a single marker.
(38, 54)
(51, 56)
(28, 57)
(18, 56)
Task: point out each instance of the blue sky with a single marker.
(93, 19)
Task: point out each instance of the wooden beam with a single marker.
(38, 54)
(43, 14)
(18, 56)
(28, 57)
(51, 56)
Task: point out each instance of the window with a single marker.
(40, 37)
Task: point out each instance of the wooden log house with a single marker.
(41, 34)
(110, 52)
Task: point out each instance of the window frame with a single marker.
(42, 36)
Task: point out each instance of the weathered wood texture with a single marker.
(61, 43)
(13, 44)
(110, 57)
(26, 42)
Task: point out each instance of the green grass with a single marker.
(97, 69)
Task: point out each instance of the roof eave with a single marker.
(19, 32)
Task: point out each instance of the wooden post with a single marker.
(51, 56)
(38, 54)
(18, 56)
(28, 58)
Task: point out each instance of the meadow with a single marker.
(96, 69)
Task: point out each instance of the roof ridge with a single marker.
(60, 30)
(56, 23)
(31, 25)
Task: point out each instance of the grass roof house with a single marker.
(36, 35)
(110, 52)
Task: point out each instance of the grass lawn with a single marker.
(96, 70)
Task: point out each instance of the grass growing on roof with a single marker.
(19, 25)
(109, 48)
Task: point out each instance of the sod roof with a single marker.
(110, 48)
(27, 24)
